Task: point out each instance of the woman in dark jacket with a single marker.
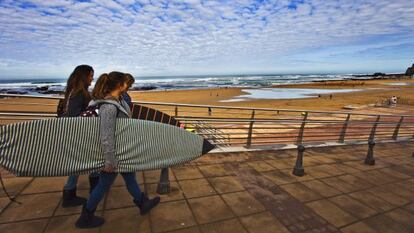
(76, 100)
(107, 95)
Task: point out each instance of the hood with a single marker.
(123, 107)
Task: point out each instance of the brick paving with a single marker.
(251, 192)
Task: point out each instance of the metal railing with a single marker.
(258, 127)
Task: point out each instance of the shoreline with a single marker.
(369, 93)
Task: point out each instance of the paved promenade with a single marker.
(241, 192)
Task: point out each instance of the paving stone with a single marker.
(321, 188)
(34, 226)
(196, 188)
(329, 169)
(154, 176)
(175, 193)
(263, 223)
(394, 173)
(345, 168)
(210, 209)
(119, 181)
(242, 203)
(226, 184)
(360, 165)
(118, 197)
(402, 216)
(14, 185)
(331, 213)
(358, 227)
(279, 177)
(355, 181)
(384, 224)
(410, 207)
(372, 201)
(340, 185)
(76, 209)
(172, 216)
(65, 224)
(388, 196)
(4, 201)
(301, 192)
(261, 166)
(187, 173)
(215, 170)
(228, 226)
(187, 230)
(352, 206)
(281, 163)
(125, 220)
(374, 177)
(400, 190)
(43, 185)
(32, 207)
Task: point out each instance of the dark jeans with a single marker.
(105, 181)
(72, 181)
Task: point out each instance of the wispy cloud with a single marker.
(163, 37)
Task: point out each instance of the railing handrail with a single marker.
(223, 107)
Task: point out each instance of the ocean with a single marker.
(54, 86)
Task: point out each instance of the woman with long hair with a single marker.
(76, 100)
(107, 96)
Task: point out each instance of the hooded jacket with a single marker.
(109, 110)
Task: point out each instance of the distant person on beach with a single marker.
(76, 100)
(107, 95)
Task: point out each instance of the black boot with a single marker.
(145, 204)
(88, 219)
(70, 199)
(93, 181)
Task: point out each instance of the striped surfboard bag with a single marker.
(71, 146)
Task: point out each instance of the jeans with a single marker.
(105, 181)
(72, 181)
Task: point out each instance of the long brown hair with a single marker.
(78, 83)
(107, 83)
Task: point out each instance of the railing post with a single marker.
(397, 129)
(249, 135)
(374, 129)
(176, 111)
(369, 160)
(302, 129)
(298, 170)
(344, 128)
(164, 184)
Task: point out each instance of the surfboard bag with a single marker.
(71, 146)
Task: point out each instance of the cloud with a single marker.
(161, 37)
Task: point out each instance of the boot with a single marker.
(70, 199)
(93, 181)
(88, 219)
(146, 204)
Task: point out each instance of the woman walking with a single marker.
(76, 100)
(107, 95)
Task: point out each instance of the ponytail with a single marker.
(100, 89)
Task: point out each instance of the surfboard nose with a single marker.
(207, 146)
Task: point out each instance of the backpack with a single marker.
(91, 111)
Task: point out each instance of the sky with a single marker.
(42, 38)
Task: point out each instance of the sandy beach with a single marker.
(369, 92)
(364, 93)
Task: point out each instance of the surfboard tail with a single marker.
(207, 146)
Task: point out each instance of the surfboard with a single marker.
(71, 146)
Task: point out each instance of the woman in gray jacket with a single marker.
(106, 94)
